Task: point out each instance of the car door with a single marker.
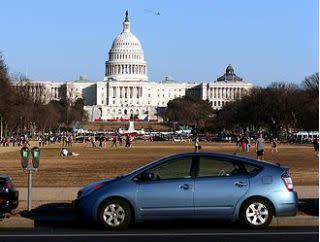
(170, 192)
(219, 185)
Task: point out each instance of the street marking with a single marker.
(157, 234)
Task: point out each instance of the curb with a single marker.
(16, 222)
(300, 220)
(22, 222)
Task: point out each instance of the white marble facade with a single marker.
(127, 92)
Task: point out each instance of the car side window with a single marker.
(210, 166)
(173, 169)
(251, 169)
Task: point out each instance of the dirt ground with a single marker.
(93, 164)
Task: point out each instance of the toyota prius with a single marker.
(192, 186)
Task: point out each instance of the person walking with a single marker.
(274, 147)
(197, 146)
(260, 143)
(248, 144)
(243, 143)
(93, 141)
(114, 141)
(101, 141)
(316, 146)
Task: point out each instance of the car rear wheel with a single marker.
(257, 213)
(115, 214)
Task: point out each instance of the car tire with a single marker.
(115, 214)
(256, 213)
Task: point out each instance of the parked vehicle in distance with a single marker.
(9, 196)
(192, 185)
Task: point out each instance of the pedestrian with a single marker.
(40, 141)
(243, 143)
(131, 138)
(260, 143)
(63, 140)
(248, 144)
(100, 142)
(93, 141)
(316, 146)
(197, 145)
(128, 141)
(274, 147)
(120, 140)
(114, 141)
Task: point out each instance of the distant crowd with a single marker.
(66, 139)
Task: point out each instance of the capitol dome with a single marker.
(126, 57)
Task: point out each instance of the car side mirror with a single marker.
(145, 176)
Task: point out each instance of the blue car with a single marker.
(192, 185)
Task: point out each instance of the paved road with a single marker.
(163, 232)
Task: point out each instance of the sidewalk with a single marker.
(70, 193)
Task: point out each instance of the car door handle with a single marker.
(240, 184)
(184, 186)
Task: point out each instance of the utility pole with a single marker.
(1, 127)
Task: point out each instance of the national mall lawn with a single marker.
(94, 164)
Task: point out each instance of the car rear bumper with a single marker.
(288, 206)
(288, 209)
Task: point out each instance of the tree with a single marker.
(189, 111)
(77, 113)
(309, 103)
(6, 97)
(276, 108)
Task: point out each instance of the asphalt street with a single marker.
(168, 231)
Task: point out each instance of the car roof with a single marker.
(213, 154)
(234, 156)
(4, 176)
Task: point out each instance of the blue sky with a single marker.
(264, 40)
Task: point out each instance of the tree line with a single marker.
(279, 107)
(23, 111)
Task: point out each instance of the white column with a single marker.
(134, 93)
(110, 92)
(123, 92)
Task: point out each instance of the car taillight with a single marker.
(287, 181)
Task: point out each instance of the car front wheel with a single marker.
(115, 214)
(257, 213)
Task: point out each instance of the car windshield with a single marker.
(143, 167)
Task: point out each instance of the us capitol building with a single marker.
(126, 91)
